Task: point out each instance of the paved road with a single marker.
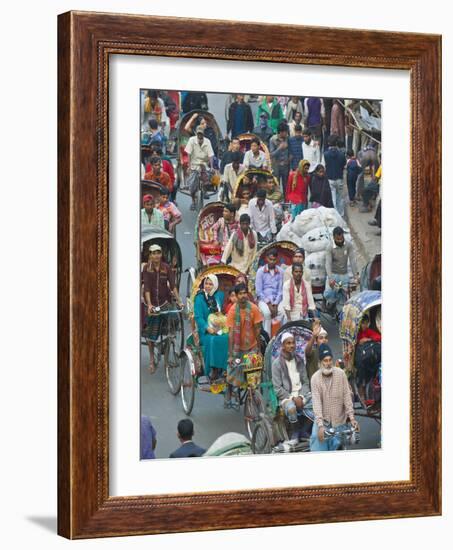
(210, 418)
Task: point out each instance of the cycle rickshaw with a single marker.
(285, 252)
(271, 432)
(370, 277)
(192, 365)
(366, 302)
(207, 252)
(208, 180)
(171, 338)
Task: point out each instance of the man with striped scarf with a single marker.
(298, 300)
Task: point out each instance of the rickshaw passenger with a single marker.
(244, 322)
(298, 258)
(227, 158)
(159, 288)
(254, 158)
(208, 316)
(241, 246)
(319, 336)
(224, 226)
(262, 216)
(158, 175)
(151, 217)
(273, 193)
(367, 354)
(298, 300)
(269, 290)
(232, 172)
(172, 215)
(290, 381)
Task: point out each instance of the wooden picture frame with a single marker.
(85, 41)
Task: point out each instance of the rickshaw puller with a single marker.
(200, 153)
(159, 289)
(244, 323)
(290, 381)
(337, 255)
(332, 403)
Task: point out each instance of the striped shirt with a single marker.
(331, 396)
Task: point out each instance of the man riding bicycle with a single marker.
(337, 256)
(201, 155)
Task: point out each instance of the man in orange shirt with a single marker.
(158, 175)
(244, 322)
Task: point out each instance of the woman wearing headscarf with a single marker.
(211, 326)
(297, 188)
(320, 193)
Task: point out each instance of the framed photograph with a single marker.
(195, 162)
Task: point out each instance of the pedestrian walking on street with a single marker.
(320, 193)
(353, 169)
(335, 163)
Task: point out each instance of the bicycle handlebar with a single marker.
(166, 312)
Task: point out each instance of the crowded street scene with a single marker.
(260, 274)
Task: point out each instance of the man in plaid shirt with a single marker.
(332, 403)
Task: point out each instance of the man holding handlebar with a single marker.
(332, 403)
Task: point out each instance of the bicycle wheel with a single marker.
(187, 383)
(262, 439)
(176, 331)
(172, 365)
(253, 410)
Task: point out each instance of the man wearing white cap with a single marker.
(290, 381)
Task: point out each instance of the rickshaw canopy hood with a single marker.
(353, 311)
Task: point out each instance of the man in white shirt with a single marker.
(262, 216)
(290, 381)
(230, 176)
(255, 158)
(201, 155)
(311, 151)
(298, 300)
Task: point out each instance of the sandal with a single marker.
(151, 368)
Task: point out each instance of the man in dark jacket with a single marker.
(240, 118)
(188, 447)
(290, 381)
(335, 163)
